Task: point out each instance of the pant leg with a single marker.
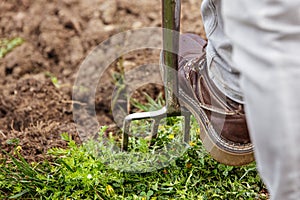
(219, 50)
(266, 38)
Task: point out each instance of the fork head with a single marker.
(156, 117)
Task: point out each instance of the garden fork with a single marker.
(171, 10)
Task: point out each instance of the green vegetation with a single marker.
(97, 170)
(54, 79)
(7, 45)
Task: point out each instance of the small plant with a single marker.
(7, 45)
(54, 79)
(151, 104)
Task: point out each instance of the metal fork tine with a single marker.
(187, 127)
(154, 130)
(156, 116)
(126, 129)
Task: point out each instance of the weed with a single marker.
(54, 79)
(7, 45)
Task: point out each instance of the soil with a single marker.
(58, 35)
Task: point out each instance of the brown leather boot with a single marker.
(222, 121)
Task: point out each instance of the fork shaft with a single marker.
(171, 27)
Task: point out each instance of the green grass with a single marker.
(98, 170)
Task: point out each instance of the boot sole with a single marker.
(223, 151)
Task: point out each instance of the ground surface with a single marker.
(58, 35)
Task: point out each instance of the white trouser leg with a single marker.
(219, 50)
(265, 36)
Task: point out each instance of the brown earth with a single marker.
(58, 35)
